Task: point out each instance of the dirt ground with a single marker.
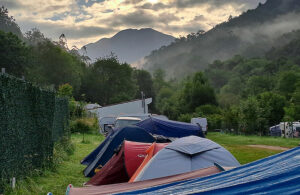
(269, 147)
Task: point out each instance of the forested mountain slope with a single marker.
(251, 34)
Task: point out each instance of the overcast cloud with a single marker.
(85, 21)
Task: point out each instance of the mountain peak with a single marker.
(130, 45)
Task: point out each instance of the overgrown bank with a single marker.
(68, 170)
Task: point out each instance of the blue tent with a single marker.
(185, 155)
(91, 157)
(170, 128)
(130, 133)
(278, 174)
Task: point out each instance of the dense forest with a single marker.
(245, 95)
(241, 94)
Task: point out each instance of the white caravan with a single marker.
(202, 122)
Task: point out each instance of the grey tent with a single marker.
(185, 155)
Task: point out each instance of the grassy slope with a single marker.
(70, 171)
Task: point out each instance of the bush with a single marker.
(185, 118)
(214, 121)
(62, 150)
(84, 125)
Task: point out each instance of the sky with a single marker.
(87, 21)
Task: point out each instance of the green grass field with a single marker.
(70, 171)
(237, 145)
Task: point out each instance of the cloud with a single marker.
(155, 7)
(215, 3)
(137, 18)
(85, 21)
(128, 2)
(199, 18)
(10, 4)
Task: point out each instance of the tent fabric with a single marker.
(124, 187)
(277, 174)
(136, 152)
(170, 128)
(91, 157)
(123, 164)
(113, 172)
(130, 133)
(151, 151)
(185, 155)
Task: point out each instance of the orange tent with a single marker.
(151, 151)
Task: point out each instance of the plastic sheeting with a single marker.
(123, 187)
(170, 128)
(278, 174)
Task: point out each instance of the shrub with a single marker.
(84, 125)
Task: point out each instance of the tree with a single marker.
(8, 24)
(159, 79)
(196, 92)
(231, 118)
(251, 120)
(52, 65)
(13, 54)
(292, 112)
(107, 82)
(259, 84)
(272, 105)
(144, 82)
(65, 90)
(34, 37)
(287, 83)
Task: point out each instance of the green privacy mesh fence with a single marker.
(31, 119)
(61, 119)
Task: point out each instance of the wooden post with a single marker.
(13, 183)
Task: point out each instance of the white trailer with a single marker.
(107, 114)
(124, 108)
(202, 122)
(290, 129)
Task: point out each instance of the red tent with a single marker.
(122, 166)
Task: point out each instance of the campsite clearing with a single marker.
(70, 171)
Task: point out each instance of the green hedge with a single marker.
(31, 120)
